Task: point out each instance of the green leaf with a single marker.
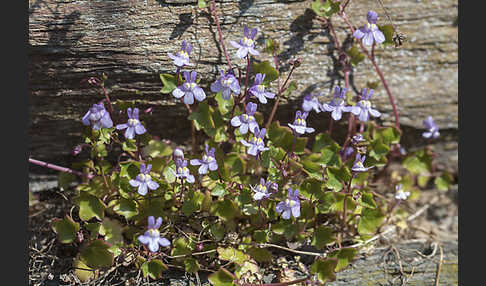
(324, 269)
(157, 148)
(217, 231)
(112, 230)
(83, 271)
(325, 8)
(265, 68)
(225, 209)
(355, 55)
(97, 255)
(344, 256)
(323, 235)
(337, 177)
(370, 220)
(231, 254)
(261, 255)
(191, 265)
(444, 181)
(192, 203)
(181, 247)
(367, 200)
(130, 145)
(224, 105)
(90, 206)
(93, 228)
(388, 135)
(221, 278)
(65, 179)
(169, 173)
(329, 157)
(388, 31)
(202, 4)
(282, 136)
(169, 83)
(323, 140)
(419, 163)
(66, 229)
(203, 120)
(153, 268)
(125, 207)
(271, 46)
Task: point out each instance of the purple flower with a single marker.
(189, 89)
(151, 237)
(262, 190)
(208, 161)
(311, 102)
(358, 164)
(346, 153)
(182, 57)
(370, 31)
(226, 84)
(133, 125)
(400, 194)
(300, 125)
(432, 129)
(258, 89)
(363, 108)
(256, 144)
(144, 180)
(291, 205)
(182, 171)
(356, 139)
(337, 104)
(97, 116)
(177, 154)
(247, 44)
(246, 121)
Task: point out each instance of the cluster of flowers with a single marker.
(98, 117)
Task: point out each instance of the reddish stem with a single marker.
(59, 168)
(212, 7)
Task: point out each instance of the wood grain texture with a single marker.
(72, 40)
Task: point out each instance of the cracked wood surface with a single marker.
(72, 40)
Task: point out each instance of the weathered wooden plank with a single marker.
(74, 39)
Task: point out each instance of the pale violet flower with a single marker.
(182, 57)
(432, 129)
(291, 205)
(363, 108)
(247, 44)
(144, 180)
(182, 171)
(337, 105)
(189, 89)
(151, 237)
(226, 84)
(370, 31)
(246, 121)
(133, 125)
(300, 125)
(97, 116)
(208, 161)
(358, 165)
(400, 193)
(262, 190)
(311, 102)
(256, 144)
(258, 89)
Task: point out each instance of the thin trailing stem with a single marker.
(378, 71)
(212, 8)
(59, 168)
(279, 93)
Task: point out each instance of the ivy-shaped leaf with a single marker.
(66, 229)
(323, 235)
(265, 68)
(153, 268)
(169, 81)
(96, 254)
(90, 206)
(344, 256)
(324, 269)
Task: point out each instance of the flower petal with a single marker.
(177, 93)
(244, 128)
(121, 126)
(143, 239)
(130, 132)
(203, 169)
(164, 242)
(140, 129)
(188, 98)
(379, 36)
(152, 185)
(235, 121)
(368, 39)
(195, 162)
(134, 183)
(142, 189)
(199, 93)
